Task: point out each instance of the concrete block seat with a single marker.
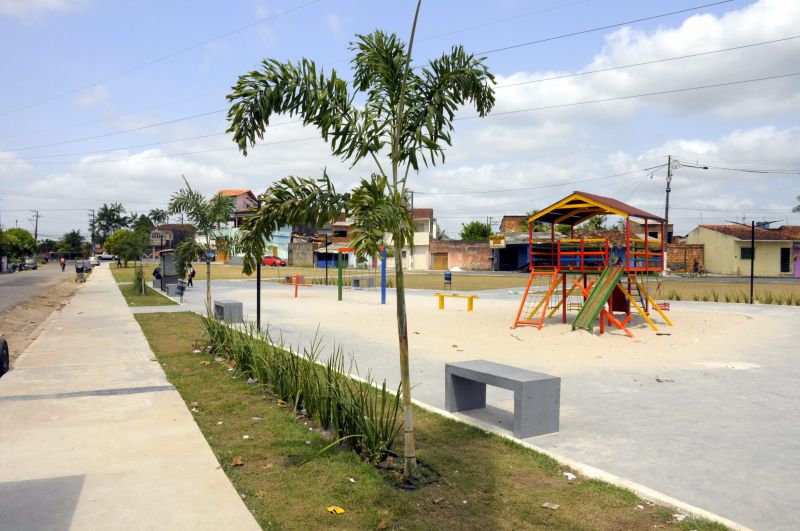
(537, 396)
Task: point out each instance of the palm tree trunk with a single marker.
(409, 451)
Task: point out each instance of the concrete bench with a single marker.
(537, 396)
(229, 311)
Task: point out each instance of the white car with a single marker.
(106, 256)
(93, 261)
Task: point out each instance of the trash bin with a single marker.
(80, 271)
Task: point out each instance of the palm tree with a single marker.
(110, 218)
(206, 216)
(158, 216)
(402, 114)
(797, 208)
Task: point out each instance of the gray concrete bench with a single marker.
(229, 311)
(537, 396)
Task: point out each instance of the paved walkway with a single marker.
(92, 436)
(720, 437)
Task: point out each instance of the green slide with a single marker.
(600, 294)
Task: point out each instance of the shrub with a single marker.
(357, 413)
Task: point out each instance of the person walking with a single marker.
(63, 263)
(190, 274)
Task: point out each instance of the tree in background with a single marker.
(128, 245)
(140, 222)
(20, 243)
(475, 230)
(619, 225)
(158, 216)
(71, 242)
(596, 223)
(206, 215)
(402, 113)
(47, 246)
(441, 234)
(110, 218)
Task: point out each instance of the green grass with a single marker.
(153, 297)
(503, 484)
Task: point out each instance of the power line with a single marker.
(501, 20)
(568, 183)
(159, 59)
(631, 96)
(601, 28)
(167, 155)
(621, 67)
(120, 132)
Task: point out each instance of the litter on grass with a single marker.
(334, 509)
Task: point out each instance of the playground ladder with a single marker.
(535, 302)
(598, 298)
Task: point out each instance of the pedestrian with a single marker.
(63, 263)
(695, 269)
(157, 273)
(119, 262)
(190, 274)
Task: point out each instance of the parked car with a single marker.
(93, 261)
(5, 359)
(106, 256)
(30, 263)
(273, 261)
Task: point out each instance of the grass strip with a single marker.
(485, 482)
(151, 298)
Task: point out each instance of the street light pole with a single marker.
(258, 288)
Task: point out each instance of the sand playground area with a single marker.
(703, 411)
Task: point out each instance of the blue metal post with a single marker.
(383, 275)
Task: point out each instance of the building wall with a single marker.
(473, 255)
(300, 254)
(717, 250)
(682, 256)
(723, 253)
(768, 258)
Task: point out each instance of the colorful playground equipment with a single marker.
(297, 281)
(561, 268)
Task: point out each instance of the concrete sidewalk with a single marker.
(92, 436)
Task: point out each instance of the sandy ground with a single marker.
(706, 414)
(20, 324)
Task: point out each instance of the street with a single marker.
(18, 288)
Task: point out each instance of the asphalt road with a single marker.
(21, 286)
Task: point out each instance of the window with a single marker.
(785, 260)
(340, 233)
(747, 253)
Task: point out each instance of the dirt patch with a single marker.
(21, 323)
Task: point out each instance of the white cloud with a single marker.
(28, 10)
(761, 21)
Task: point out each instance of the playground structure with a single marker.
(470, 299)
(560, 269)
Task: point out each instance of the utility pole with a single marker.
(91, 230)
(666, 207)
(35, 233)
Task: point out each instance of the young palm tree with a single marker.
(206, 216)
(158, 216)
(403, 115)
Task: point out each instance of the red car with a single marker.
(273, 261)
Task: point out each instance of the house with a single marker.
(728, 249)
(245, 202)
(425, 231)
(514, 224)
(170, 235)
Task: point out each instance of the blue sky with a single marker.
(48, 163)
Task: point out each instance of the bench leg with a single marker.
(441, 302)
(469, 304)
(536, 408)
(462, 394)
